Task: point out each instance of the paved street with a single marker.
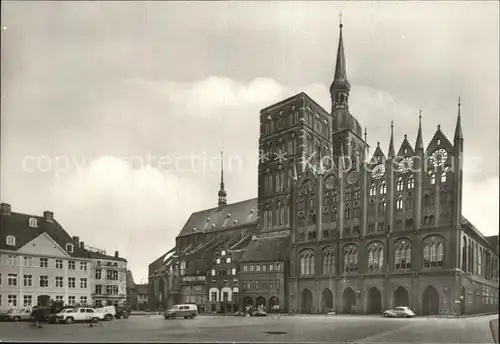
(316, 328)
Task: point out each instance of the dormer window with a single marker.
(11, 240)
(217, 261)
(69, 247)
(223, 253)
(33, 222)
(228, 260)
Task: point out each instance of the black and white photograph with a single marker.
(249, 171)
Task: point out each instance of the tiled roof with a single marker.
(266, 248)
(17, 224)
(95, 255)
(197, 266)
(493, 241)
(232, 215)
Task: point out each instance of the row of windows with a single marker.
(261, 285)
(225, 283)
(12, 280)
(28, 300)
(433, 256)
(193, 278)
(262, 267)
(112, 275)
(195, 288)
(224, 272)
(110, 289)
(44, 263)
(218, 260)
(478, 260)
(281, 217)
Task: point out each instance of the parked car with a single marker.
(54, 318)
(109, 312)
(258, 313)
(399, 312)
(188, 311)
(78, 314)
(16, 314)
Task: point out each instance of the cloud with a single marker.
(97, 83)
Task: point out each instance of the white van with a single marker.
(188, 311)
(108, 312)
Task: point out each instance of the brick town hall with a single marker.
(344, 234)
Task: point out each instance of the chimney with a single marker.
(76, 240)
(116, 254)
(82, 245)
(5, 209)
(48, 216)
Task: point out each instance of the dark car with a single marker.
(123, 312)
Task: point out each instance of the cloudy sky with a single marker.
(105, 104)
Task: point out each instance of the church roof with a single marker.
(267, 248)
(230, 216)
(17, 224)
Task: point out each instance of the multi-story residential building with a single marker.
(40, 261)
(365, 232)
(223, 288)
(109, 282)
(142, 296)
(264, 271)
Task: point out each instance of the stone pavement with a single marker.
(286, 329)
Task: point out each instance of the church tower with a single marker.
(347, 134)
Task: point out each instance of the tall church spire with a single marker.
(222, 193)
(458, 129)
(340, 87)
(391, 153)
(419, 144)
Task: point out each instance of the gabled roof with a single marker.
(231, 216)
(96, 255)
(437, 136)
(409, 149)
(17, 224)
(267, 248)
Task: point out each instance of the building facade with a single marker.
(364, 232)
(109, 282)
(40, 261)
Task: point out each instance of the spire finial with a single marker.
(391, 153)
(419, 144)
(222, 193)
(420, 116)
(340, 17)
(458, 129)
(365, 134)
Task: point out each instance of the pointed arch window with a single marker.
(282, 146)
(356, 210)
(402, 255)
(464, 254)
(383, 188)
(271, 126)
(432, 178)
(375, 257)
(433, 252)
(310, 145)
(281, 214)
(347, 211)
(269, 218)
(399, 184)
(334, 214)
(350, 258)
(443, 177)
(409, 203)
(357, 192)
(411, 183)
(373, 190)
(289, 178)
(382, 205)
(479, 262)
(329, 261)
(399, 203)
(306, 262)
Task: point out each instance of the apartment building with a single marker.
(40, 261)
(109, 282)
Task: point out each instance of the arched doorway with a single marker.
(261, 301)
(348, 301)
(462, 301)
(430, 301)
(247, 301)
(273, 302)
(307, 301)
(374, 304)
(401, 297)
(327, 300)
